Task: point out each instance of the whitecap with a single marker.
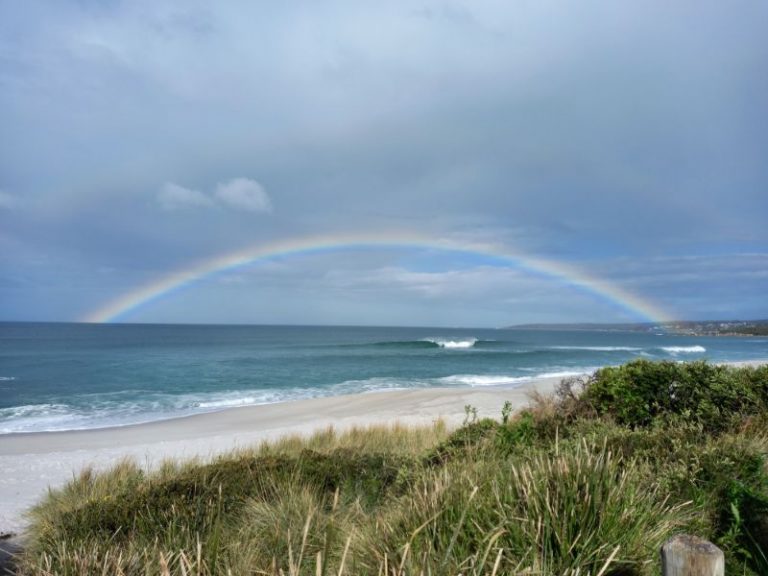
(674, 350)
(453, 344)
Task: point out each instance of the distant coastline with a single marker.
(677, 328)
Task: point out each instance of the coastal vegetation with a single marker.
(589, 481)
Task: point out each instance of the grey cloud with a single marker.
(585, 132)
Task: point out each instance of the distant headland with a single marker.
(679, 327)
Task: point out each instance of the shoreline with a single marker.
(527, 383)
(207, 413)
(239, 418)
(33, 462)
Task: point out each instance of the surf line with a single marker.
(123, 305)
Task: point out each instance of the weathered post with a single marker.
(686, 555)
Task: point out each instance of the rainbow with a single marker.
(123, 305)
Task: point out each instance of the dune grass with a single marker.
(590, 481)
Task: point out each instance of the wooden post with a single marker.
(686, 555)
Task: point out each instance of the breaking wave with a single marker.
(674, 350)
(447, 343)
(455, 344)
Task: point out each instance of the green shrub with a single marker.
(639, 392)
(464, 441)
(519, 432)
(733, 484)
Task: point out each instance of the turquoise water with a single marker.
(76, 376)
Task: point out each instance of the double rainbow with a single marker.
(122, 306)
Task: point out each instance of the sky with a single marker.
(623, 140)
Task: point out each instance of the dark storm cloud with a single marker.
(587, 132)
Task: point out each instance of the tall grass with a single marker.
(396, 438)
(578, 511)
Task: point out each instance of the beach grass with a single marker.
(591, 480)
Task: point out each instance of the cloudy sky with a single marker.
(626, 140)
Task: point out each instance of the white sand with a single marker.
(31, 463)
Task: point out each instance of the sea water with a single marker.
(79, 376)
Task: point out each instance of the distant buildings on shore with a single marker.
(680, 327)
(720, 328)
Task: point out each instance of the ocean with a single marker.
(80, 376)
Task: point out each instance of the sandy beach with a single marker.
(31, 463)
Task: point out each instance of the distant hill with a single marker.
(682, 327)
(592, 327)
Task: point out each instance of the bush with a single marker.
(733, 484)
(640, 392)
(471, 437)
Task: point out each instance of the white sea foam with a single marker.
(455, 344)
(482, 380)
(7, 378)
(234, 402)
(476, 380)
(33, 410)
(599, 348)
(37, 418)
(567, 373)
(674, 350)
(377, 384)
(234, 399)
